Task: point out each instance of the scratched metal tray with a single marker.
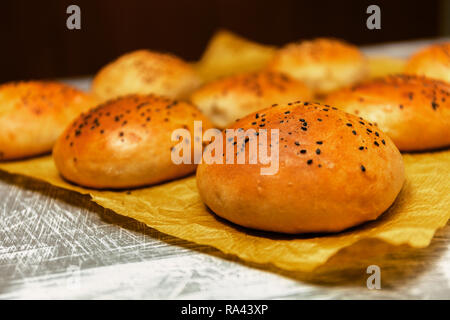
(57, 244)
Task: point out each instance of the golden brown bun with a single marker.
(125, 143)
(414, 111)
(145, 72)
(337, 172)
(432, 62)
(33, 114)
(228, 99)
(322, 64)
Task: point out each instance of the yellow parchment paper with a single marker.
(175, 208)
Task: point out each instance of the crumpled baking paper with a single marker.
(175, 208)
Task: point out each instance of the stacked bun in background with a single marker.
(33, 114)
(145, 72)
(339, 162)
(432, 62)
(322, 64)
(231, 98)
(414, 111)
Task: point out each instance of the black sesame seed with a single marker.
(304, 128)
(319, 142)
(297, 143)
(318, 119)
(384, 142)
(318, 151)
(377, 134)
(303, 151)
(287, 112)
(349, 124)
(376, 143)
(301, 120)
(361, 148)
(309, 161)
(363, 169)
(354, 132)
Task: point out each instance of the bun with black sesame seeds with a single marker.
(414, 111)
(126, 143)
(231, 98)
(333, 174)
(145, 72)
(432, 62)
(322, 64)
(34, 113)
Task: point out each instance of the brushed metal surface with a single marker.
(57, 244)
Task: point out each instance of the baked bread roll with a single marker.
(322, 64)
(145, 72)
(33, 114)
(432, 62)
(414, 111)
(125, 143)
(335, 171)
(228, 99)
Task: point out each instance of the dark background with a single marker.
(35, 42)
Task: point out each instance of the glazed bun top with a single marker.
(144, 72)
(34, 113)
(432, 62)
(414, 111)
(323, 64)
(126, 142)
(230, 98)
(335, 171)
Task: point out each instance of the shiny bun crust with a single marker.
(414, 111)
(335, 171)
(33, 114)
(230, 98)
(323, 64)
(432, 62)
(145, 72)
(125, 143)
